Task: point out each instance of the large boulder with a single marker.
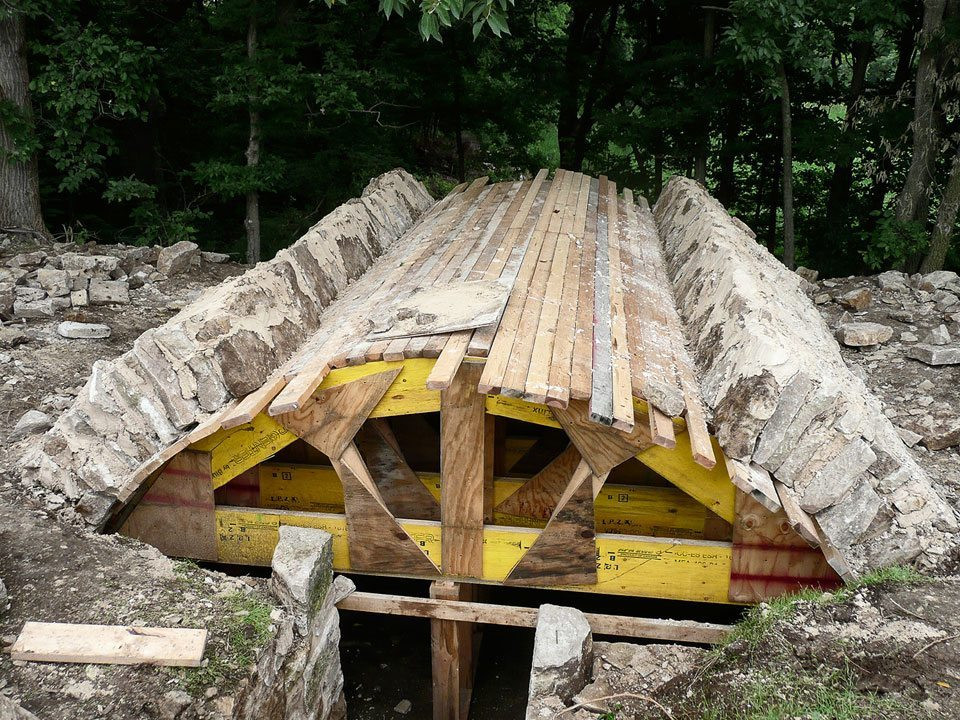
(177, 258)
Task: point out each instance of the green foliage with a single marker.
(90, 79)
(19, 128)
(142, 109)
(893, 243)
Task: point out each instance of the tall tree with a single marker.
(910, 205)
(19, 182)
(252, 221)
(946, 221)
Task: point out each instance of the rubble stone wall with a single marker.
(222, 346)
(782, 396)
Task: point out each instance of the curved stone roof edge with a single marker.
(143, 402)
(784, 401)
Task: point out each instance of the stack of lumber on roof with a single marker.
(800, 430)
(588, 312)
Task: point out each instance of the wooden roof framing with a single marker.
(589, 312)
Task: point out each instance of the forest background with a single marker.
(831, 127)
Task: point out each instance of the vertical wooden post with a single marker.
(463, 455)
(452, 649)
(489, 442)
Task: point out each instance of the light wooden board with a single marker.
(517, 616)
(651, 567)
(176, 513)
(462, 460)
(332, 417)
(109, 644)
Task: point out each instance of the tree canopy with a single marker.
(817, 122)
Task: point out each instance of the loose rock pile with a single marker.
(39, 284)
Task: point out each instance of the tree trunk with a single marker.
(700, 162)
(19, 183)
(785, 115)
(920, 172)
(946, 220)
(726, 174)
(252, 221)
(841, 181)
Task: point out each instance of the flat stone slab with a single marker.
(935, 354)
(864, 334)
(83, 331)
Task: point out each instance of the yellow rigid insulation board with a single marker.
(240, 448)
(623, 509)
(637, 566)
(710, 487)
(407, 394)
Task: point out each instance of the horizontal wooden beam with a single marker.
(624, 509)
(688, 631)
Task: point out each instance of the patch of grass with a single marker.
(832, 695)
(896, 575)
(760, 619)
(233, 647)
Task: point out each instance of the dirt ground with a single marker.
(886, 650)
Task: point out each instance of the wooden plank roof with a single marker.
(589, 312)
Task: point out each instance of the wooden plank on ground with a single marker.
(565, 553)
(688, 631)
(331, 419)
(462, 458)
(109, 644)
